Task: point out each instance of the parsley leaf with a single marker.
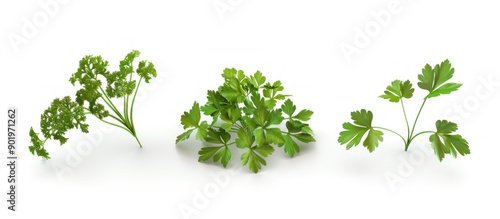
(252, 158)
(433, 79)
(354, 132)
(398, 90)
(444, 142)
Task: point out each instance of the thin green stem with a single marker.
(404, 140)
(424, 132)
(108, 102)
(137, 139)
(406, 120)
(110, 105)
(122, 119)
(112, 116)
(126, 108)
(117, 119)
(116, 125)
(233, 130)
(411, 137)
(127, 126)
(132, 105)
(416, 119)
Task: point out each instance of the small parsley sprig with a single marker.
(98, 87)
(245, 108)
(443, 140)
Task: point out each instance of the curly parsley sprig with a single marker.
(98, 88)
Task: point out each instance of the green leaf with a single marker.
(217, 136)
(437, 145)
(290, 147)
(307, 129)
(184, 136)
(372, 139)
(209, 110)
(126, 65)
(230, 93)
(353, 133)
(398, 90)
(216, 103)
(257, 100)
(304, 115)
(220, 153)
(443, 142)
(245, 138)
(257, 79)
(208, 152)
(280, 97)
(288, 107)
(304, 137)
(431, 79)
(191, 118)
(146, 70)
(248, 121)
(260, 137)
(231, 114)
(248, 108)
(224, 155)
(261, 115)
(446, 127)
(201, 134)
(445, 89)
(119, 83)
(99, 111)
(226, 126)
(294, 126)
(232, 88)
(271, 103)
(232, 73)
(270, 91)
(275, 118)
(37, 145)
(213, 136)
(274, 136)
(62, 115)
(87, 76)
(41, 152)
(254, 161)
(264, 151)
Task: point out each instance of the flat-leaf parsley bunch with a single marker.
(245, 112)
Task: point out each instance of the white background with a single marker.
(297, 42)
